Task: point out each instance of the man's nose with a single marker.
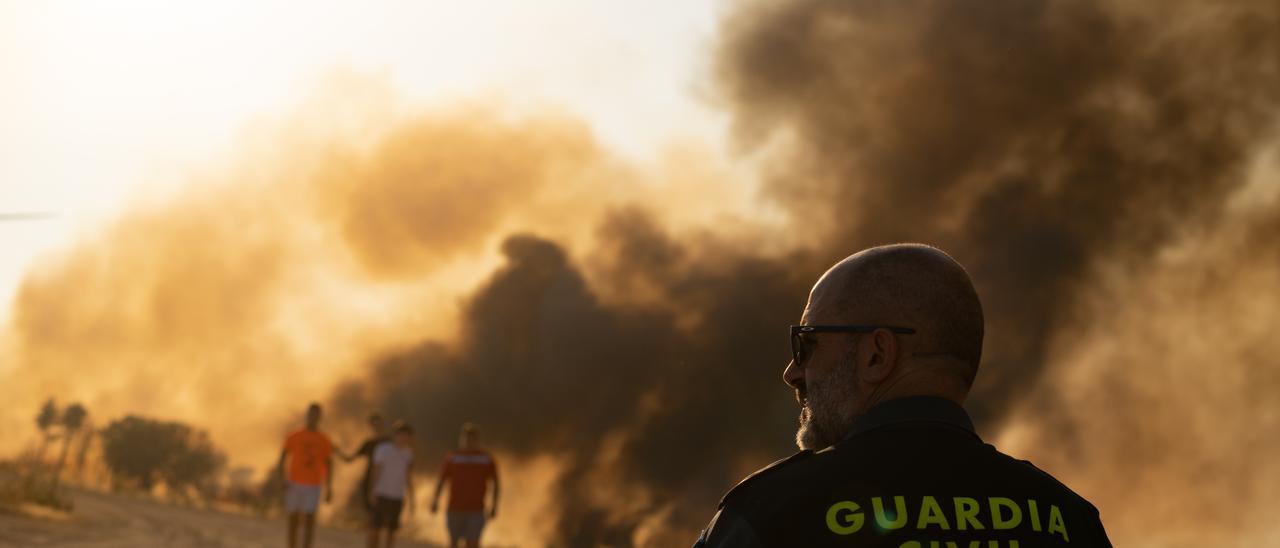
(793, 375)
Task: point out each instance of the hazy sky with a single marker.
(105, 101)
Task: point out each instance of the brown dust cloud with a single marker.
(1109, 172)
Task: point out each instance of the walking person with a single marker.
(469, 470)
(391, 485)
(309, 455)
(377, 435)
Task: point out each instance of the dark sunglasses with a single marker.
(799, 346)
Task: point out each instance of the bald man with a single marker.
(884, 356)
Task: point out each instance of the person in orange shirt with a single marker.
(468, 471)
(310, 457)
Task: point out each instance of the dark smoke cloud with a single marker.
(1030, 139)
(630, 394)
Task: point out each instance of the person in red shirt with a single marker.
(468, 471)
(310, 458)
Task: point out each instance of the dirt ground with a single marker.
(111, 521)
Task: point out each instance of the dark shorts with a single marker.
(386, 513)
(364, 495)
(465, 525)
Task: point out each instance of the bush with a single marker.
(148, 452)
(17, 488)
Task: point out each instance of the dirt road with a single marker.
(109, 521)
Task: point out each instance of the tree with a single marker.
(72, 420)
(135, 448)
(45, 420)
(82, 452)
(196, 466)
(148, 452)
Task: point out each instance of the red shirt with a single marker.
(468, 473)
(308, 457)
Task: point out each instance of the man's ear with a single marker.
(881, 359)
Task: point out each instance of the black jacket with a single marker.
(911, 474)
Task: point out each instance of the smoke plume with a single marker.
(1106, 171)
(643, 403)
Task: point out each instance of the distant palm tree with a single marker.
(82, 450)
(45, 420)
(72, 420)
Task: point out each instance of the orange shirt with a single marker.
(309, 453)
(468, 473)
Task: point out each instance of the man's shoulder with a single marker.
(1048, 481)
(1061, 492)
(310, 439)
(765, 482)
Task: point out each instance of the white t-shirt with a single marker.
(394, 462)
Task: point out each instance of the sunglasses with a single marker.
(800, 346)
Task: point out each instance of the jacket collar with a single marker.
(912, 409)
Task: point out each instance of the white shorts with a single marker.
(301, 499)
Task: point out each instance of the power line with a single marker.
(26, 216)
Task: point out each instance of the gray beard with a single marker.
(807, 434)
(827, 414)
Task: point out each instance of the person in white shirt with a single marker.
(391, 484)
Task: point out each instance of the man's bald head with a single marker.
(841, 375)
(908, 285)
